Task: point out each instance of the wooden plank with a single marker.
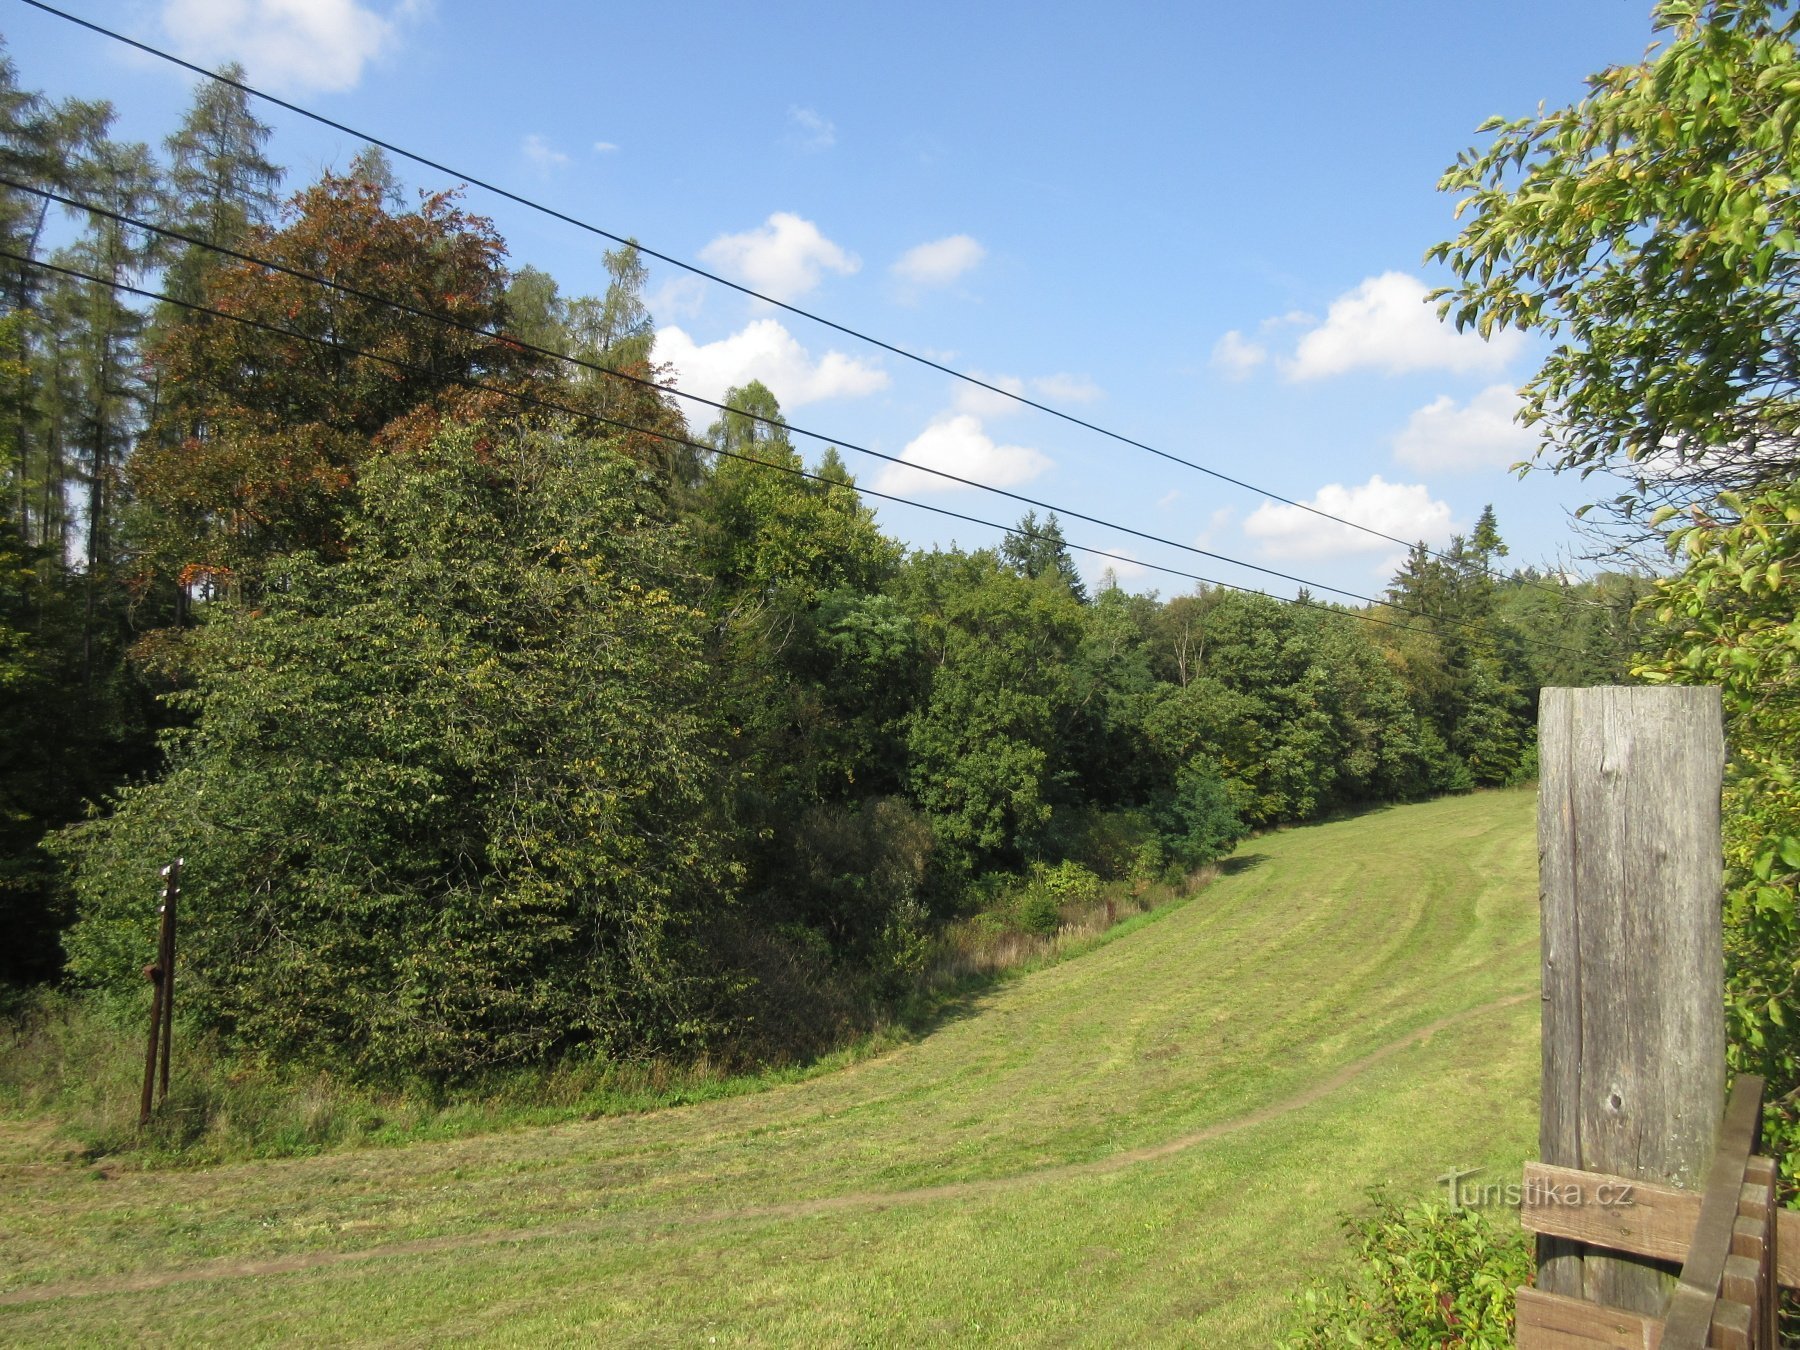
(1742, 1280)
(1787, 1248)
(1659, 1222)
(1771, 1299)
(1639, 1217)
(1731, 1328)
(1691, 1312)
(1633, 971)
(1554, 1322)
(1748, 1239)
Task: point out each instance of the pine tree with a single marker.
(221, 184)
(1036, 549)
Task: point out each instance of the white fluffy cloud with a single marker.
(292, 44)
(763, 350)
(541, 155)
(1404, 510)
(1385, 324)
(1236, 355)
(979, 402)
(1479, 434)
(939, 262)
(957, 444)
(785, 257)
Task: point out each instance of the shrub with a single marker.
(448, 803)
(1037, 903)
(1428, 1276)
(1113, 844)
(1197, 820)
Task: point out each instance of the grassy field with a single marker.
(1147, 1144)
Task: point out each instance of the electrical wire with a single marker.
(625, 376)
(695, 270)
(700, 446)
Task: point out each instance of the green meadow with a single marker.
(1150, 1142)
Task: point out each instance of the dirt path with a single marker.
(851, 1201)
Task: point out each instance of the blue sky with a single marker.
(1201, 226)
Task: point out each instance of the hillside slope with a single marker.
(1148, 1143)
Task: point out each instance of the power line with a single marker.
(588, 415)
(613, 372)
(691, 268)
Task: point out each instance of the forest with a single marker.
(501, 714)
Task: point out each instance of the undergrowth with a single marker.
(1422, 1277)
(78, 1058)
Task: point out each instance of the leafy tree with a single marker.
(1196, 819)
(1731, 621)
(263, 462)
(982, 743)
(1649, 231)
(415, 839)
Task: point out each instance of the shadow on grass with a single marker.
(1242, 862)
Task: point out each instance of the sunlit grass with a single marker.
(981, 1183)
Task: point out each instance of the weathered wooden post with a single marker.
(1633, 1015)
(161, 973)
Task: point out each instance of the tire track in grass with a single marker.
(797, 1209)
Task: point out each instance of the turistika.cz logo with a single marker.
(1539, 1192)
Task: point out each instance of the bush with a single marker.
(1428, 1276)
(448, 803)
(1197, 821)
(1115, 845)
(1037, 904)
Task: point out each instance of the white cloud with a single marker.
(939, 262)
(784, 258)
(681, 296)
(957, 444)
(1480, 434)
(604, 147)
(979, 402)
(1236, 355)
(1386, 324)
(813, 131)
(291, 44)
(1168, 498)
(764, 350)
(1064, 388)
(1216, 524)
(541, 155)
(1404, 510)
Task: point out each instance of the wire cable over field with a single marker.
(702, 447)
(588, 227)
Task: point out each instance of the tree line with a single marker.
(499, 713)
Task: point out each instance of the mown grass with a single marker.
(1017, 1175)
(79, 1060)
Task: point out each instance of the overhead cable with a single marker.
(553, 213)
(585, 414)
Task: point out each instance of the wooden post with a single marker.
(1633, 968)
(162, 998)
(171, 889)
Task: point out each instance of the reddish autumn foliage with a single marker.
(258, 435)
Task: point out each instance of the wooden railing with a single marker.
(1736, 1247)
